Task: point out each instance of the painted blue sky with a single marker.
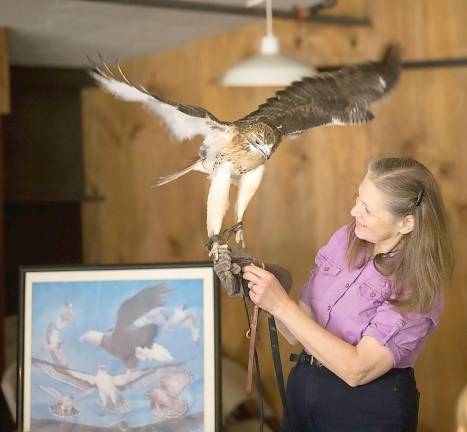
(95, 305)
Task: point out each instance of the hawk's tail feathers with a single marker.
(167, 179)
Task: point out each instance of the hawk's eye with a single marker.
(257, 141)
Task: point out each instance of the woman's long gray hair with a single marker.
(423, 262)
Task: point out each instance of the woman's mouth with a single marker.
(359, 225)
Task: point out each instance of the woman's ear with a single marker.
(407, 225)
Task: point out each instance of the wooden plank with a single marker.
(4, 73)
(2, 255)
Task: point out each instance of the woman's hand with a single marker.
(265, 290)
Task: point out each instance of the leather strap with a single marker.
(259, 384)
(276, 357)
(251, 352)
(253, 355)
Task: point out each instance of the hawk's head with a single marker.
(262, 138)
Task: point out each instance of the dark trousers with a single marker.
(319, 401)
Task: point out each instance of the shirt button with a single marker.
(326, 268)
(329, 307)
(347, 285)
(372, 294)
(402, 323)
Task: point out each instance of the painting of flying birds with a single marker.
(119, 345)
(236, 152)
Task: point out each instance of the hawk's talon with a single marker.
(216, 238)
(236, 229)
(216, 249)
(239, 238)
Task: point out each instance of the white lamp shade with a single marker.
(269, 68)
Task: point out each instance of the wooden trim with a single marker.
(2, 256)
(4, 73)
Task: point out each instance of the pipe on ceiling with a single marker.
(210, 7)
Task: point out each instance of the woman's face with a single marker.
(373, 221)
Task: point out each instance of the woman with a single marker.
(367, 308)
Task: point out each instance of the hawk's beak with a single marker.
(264, 153)
(264, 149)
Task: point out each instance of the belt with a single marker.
(306, 358)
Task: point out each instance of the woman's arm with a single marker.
(356, 365)
(291, 339)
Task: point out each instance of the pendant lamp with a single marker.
(269, 67)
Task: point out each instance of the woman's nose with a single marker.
(355, 211)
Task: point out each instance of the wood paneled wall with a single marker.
(4, 107)
(4, 74)
(309, 184)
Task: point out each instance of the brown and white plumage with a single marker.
(236, 151)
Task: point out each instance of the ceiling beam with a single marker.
(225, 9)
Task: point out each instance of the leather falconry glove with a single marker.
(229, 270)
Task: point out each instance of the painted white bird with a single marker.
(62, 405)
(165, 399)
(155, 352)
(108, 386)
(54, 346)
(66, 317)
(158, 315)
(183, 317)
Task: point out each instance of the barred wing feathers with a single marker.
(341, 97)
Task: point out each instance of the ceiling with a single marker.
(62, 33)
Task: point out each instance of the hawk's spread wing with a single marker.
(183, 121)
(342, 97)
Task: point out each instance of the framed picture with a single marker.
(119, 348)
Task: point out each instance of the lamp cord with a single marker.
(269, 17)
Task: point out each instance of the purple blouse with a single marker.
(352, 303)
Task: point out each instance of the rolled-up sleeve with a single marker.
(403, 333)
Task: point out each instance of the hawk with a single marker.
(236, 152)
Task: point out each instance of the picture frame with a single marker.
(133, 348)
